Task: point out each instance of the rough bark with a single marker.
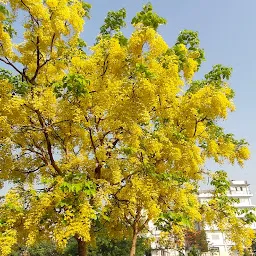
(81, 247)
(134, 241)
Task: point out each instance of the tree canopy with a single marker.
(115, 137)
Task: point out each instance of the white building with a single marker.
(217, 240)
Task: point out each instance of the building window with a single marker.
(215, 237)
(243, 201)
(241, 188)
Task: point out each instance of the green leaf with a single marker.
(113, 23)
(72, 86)
(19, 87)
(148, 17)
(218, 74)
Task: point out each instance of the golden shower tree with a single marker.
(118, 136)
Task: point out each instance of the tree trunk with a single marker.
(81, 247)
(134, 242)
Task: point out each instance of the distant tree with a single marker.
(43, 248)
(193, 251)
(103, 247)
(106, 247)
(197, 239)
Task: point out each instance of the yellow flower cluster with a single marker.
(6, 42)
(7, 241)
(140, 39)
(74, 224)
(190, 67)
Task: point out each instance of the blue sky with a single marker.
(227, 33)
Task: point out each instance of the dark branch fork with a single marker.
(38, 54)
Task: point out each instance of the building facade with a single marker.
(216, 239)
(218, 244)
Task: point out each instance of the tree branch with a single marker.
(7, 62)
(48, 142)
